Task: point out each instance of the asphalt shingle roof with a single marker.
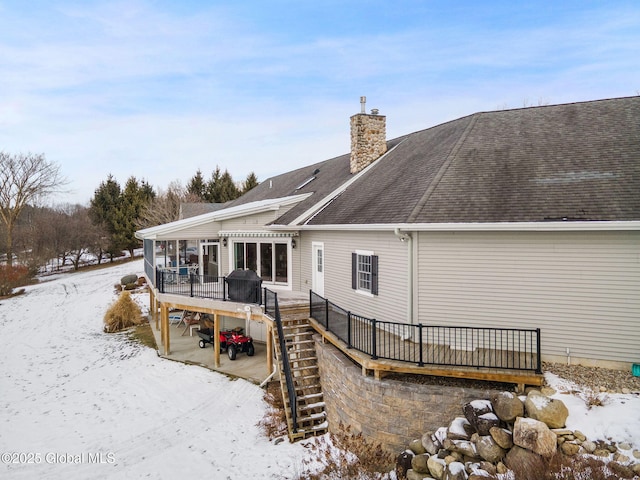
(578, 161)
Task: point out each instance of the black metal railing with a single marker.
(271, 308)
(503, 348)
(183, 282)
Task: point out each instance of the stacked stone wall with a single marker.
(368, 140)
(390, 412)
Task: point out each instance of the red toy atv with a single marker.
(233, 341)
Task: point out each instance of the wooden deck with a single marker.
(435, 354)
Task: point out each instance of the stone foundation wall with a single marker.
(387, 411)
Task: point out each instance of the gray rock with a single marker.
(589, 446)
(569, 448)
(488, 467)
(403, 463)
(502, 437)
(455, 471)
(127, 279)
(624, 446)
(436, 467)
(416, 447)
(525, 462)
(465, 447)
(419, 463)
(413, 475)
(548, 410)
(431, 443)
(534, 435)
(459, 429)
(580, 436)
(507, 406)
(485, 422)
(601, 452)
(636, 468)
(475, 409)
(487, 448)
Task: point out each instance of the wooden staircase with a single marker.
(310, 407)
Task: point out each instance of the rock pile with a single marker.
(505, 433)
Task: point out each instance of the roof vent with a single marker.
(374, 111)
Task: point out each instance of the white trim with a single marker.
(630, 225)
(364, 253)
(260, 234)
(319, 206)
(251, 208)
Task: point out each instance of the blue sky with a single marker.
(159, 89)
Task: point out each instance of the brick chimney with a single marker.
(368, 137)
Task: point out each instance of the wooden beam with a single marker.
(216, 341)
(164, 311)
(269, 347)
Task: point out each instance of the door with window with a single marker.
(269, 259)
(317, 278)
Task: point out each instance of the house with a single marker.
(513, 219)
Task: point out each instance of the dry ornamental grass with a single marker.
(124, 313)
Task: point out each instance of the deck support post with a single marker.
(164, 313)
(216, 340)
(269, 347)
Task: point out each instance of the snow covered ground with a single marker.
(76, 403)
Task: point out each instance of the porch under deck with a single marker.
(185, 349)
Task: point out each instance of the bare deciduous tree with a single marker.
(25, 179)
(165, 207)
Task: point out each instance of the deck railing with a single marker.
(500, 348)
(272, 309)
(185, 282)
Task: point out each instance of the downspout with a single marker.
(408, 238)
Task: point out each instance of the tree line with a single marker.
(33, 234)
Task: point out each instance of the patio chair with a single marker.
(191, 319)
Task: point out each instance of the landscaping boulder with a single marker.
(403, 463)
(479, 413)
(436, 467)
(129, 279)
(416, 447)
(507, 406)
(431, 443)
(419, 463)
(502, 437)
(534, 435)
(455, 471)
(487, 448)
(527, 464)
(548, 410)
(460, 429)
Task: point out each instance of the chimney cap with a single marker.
(363, 101)
(374, 111)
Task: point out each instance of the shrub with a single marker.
(124, 313)
(11, 277)
(349, 455)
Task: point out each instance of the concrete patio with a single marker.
(184, 348)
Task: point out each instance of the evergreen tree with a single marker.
(103, 211)
(197, 186)
(227, 188)
(134, 199)
(212, 190)
(250, 182)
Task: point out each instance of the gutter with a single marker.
(568, 226)
(408, 238)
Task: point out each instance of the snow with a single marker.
(73, 396)
(80, 403)
(618, 419)
(457, 426)
(479, 405)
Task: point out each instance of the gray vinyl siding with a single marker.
(581, 289)
(251, 222)
(391, 302)
(208, 230)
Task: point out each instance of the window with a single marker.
(364, 272)
(269, 259)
